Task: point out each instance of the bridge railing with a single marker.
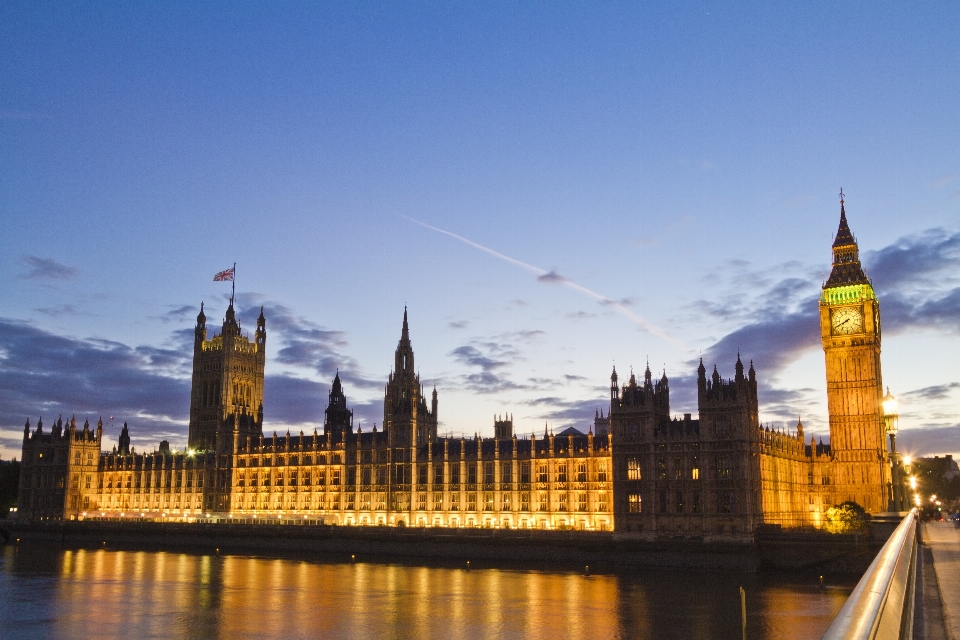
(881, 605)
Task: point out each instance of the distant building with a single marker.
(637, 470)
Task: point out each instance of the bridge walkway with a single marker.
(940, 551)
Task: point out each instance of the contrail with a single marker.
(550, 276)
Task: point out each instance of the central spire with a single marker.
(846, 256)
(844, 236)
(404, 354)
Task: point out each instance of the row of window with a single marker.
(401, 502)
(149, 480)
(401, 475)
(726, 503)
(679, 470)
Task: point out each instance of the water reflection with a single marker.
(120, 594)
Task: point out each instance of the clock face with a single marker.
(847, 320)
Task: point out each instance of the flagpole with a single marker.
(233, 283)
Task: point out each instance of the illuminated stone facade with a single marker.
(639, 472)
(850, 332)
(227, 387)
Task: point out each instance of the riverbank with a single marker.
(601, 551)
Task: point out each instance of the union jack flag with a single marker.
(224, 276)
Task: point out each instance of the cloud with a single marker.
(47, 269)
(776, 319)
(916, 281)
(179, 314)
(623, 302)
(459, 324)
(943, 181)
(46, 374)
(665, 230)
(491, 358)
(914, 258)
(560, 412)
(772, 343)
(494, 356)
(779, 319)
(929, 441)
(305, 344)
(551, 277)
(148, 386)
(62, 310)
(473, 357)
(936, 392)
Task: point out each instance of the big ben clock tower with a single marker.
(850, 331)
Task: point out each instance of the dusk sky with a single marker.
(550, 189)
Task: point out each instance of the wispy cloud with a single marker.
(936, 392)
(179, 313)
(494, 357)
(61, 310)
(551, 277)
(47, 269)
(563, 412)
(663, 231)
(42, 373)
(304, 344)
(929, 441)
(46, 374)
(943, 181)
(778, 321)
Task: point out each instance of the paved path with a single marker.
(943, 539)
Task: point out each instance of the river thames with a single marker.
(48, 592)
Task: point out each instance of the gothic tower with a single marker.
(850, 332)
(729, 435)
(638, 413)
(406, 417)
(337, 419)
(226, 399)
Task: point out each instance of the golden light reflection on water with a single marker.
(120, 594)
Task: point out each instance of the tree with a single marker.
(847, 517)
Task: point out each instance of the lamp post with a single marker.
(890, 419)
(909, 484)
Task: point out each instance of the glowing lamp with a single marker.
(890, 416)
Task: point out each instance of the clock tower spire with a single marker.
(850, 333)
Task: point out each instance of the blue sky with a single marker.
(616, 184)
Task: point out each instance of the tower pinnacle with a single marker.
(846, 256)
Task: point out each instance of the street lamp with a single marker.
(890, 419)
(908, 481)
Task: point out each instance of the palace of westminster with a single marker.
(720, 475)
